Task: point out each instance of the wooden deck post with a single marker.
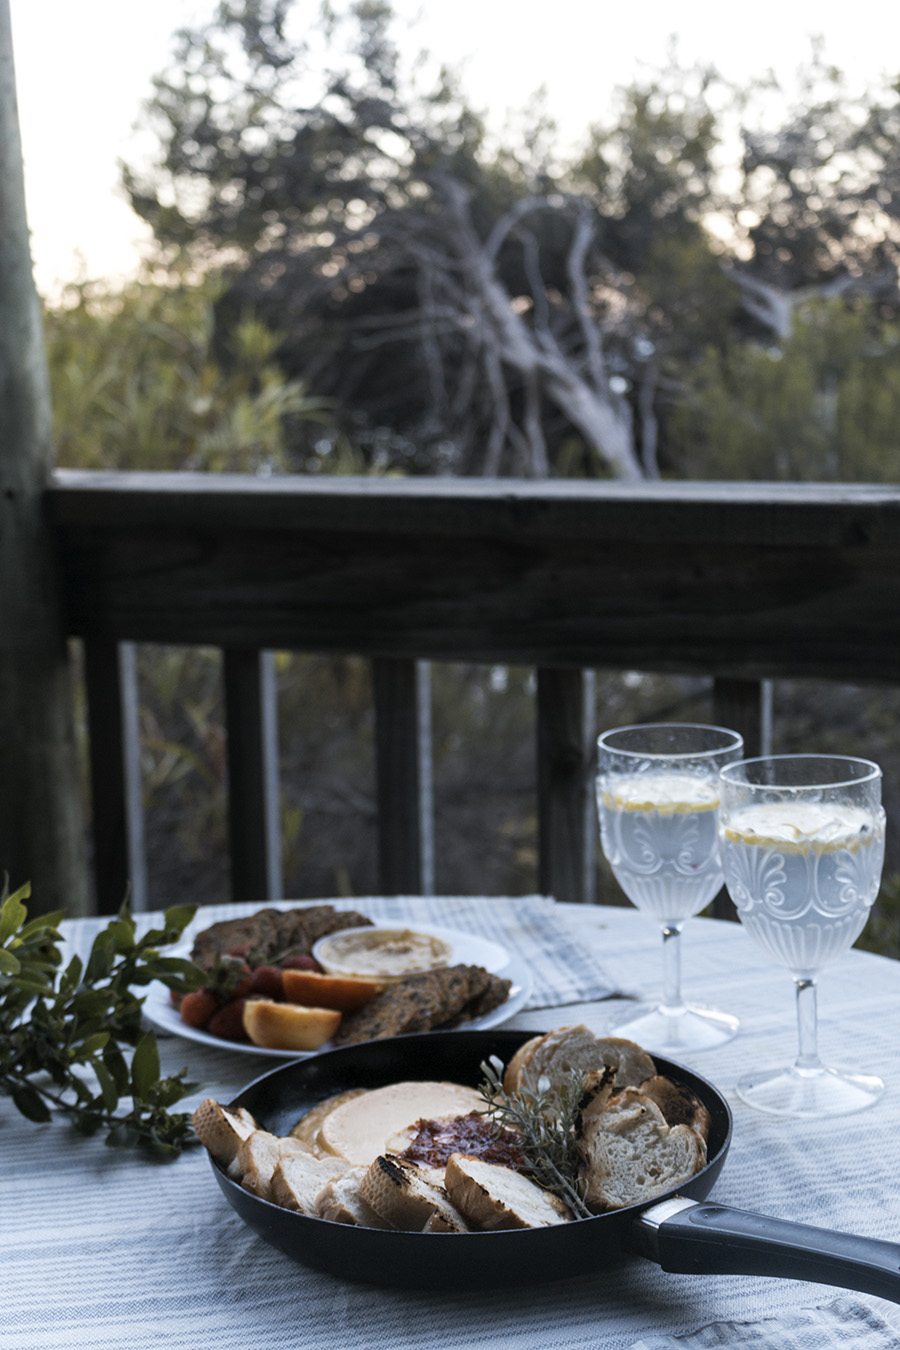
(41, 814)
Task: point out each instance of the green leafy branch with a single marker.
(64, 1031)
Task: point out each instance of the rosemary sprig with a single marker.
(545, 1122)
(64, 1031)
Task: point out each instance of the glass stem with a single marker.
(672, 1002)
(807, 1028)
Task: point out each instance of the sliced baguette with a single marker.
(406, 1200)
(298, 1180)
(287, 1026)
(678, 1103)
(257, 1158)
(629, 1153)
(493, 1197)
(344, 992)
(575, 1049)
(340, 1201)
(222, 1131)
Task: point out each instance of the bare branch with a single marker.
(590, 331)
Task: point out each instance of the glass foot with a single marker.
(805, 1093)
(674, 1031)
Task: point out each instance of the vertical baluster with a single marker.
(254, 818)
(120, 868)
(396, 686)
(739, 705)
(565, 745)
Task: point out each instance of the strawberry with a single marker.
(198, 1007)
(266, 981)
(300, 963)
(228, 1022)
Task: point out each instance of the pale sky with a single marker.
(84, 68)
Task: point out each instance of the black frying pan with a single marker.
(676, 1230)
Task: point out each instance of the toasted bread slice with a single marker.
(287, 1026)
(575, 1049)
(629, 1153)
(406, 1200)
(340, 1201)
(257, 1158)
(678, 1103)
(491, 1196)
(222, 1131)
(298, 1179)
(315, 990)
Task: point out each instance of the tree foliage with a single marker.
(471, 300)
(823, 403)
(136, 384)
(471, 306)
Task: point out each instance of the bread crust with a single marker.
(493, 1197)
(258, 1157)
(679, 1104)
(405, 1199)
(222, 1131)
(558, 1054)
(629, 1153)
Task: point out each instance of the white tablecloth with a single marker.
(101, 1249)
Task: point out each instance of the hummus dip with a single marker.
(381, 953)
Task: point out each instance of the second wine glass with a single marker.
(657, 798)
(802, 839)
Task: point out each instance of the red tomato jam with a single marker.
(473, 1134)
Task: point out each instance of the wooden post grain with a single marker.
(41, 814)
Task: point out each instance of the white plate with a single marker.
(468, 949)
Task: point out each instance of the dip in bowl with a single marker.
(382, 953)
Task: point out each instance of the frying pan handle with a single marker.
(708, 1239)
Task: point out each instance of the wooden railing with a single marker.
(740, 582)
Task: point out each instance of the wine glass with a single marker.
(657, 798)
(802, 842)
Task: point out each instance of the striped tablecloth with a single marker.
(102, 1250)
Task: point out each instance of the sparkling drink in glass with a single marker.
(657, 800)
(802, 841)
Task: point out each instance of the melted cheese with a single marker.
(361, 1129)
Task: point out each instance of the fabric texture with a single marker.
(844, 1325)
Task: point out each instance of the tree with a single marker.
(461, 298)
(474, 308)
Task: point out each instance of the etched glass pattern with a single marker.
(805, 901)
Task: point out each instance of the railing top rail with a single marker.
(739, 579)
(79, 489)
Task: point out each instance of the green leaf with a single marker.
(44, 926)
(100, 961)
(31, 1104)
(178, 917)
(13, 914)
(108, 1089)
(145, 1066)
(120, 935)
(94, 1044)
(9, 964)
(72, 976)
(116, 1063)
